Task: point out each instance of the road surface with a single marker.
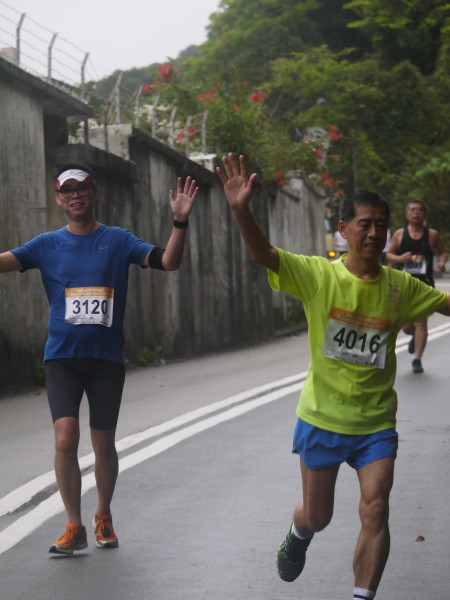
(208, 484)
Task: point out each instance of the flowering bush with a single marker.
(236, 119)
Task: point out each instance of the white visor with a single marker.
(77, 174)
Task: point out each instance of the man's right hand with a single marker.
(237, 185)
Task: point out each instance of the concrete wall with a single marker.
(23, 210)
(217, 299)
(296, 223)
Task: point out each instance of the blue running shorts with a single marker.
(321, 449)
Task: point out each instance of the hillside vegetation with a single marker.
(356, 94)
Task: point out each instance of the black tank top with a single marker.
(421, 252)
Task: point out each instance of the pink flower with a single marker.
(236, 106)
(206, 96)
(149, 88)
(281, 177)
(166, 70)
(334, 133)
(185, 134)
(258, 96)
(327, 181)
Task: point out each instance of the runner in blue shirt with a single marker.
(84, 268)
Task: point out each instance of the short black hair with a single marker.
(417, 201)
(362, 197)
(78, 166)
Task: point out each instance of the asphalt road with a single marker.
(208, 485)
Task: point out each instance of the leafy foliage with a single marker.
(369, 78)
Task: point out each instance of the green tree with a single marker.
(403, 30)
(372, 74)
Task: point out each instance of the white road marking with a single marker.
(25, 493)
(53, 505)
(250, 399)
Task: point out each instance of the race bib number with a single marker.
(89, 306)
(356, 338)
(417, 265)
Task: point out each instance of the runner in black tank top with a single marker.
(422, 256)
(413, 247)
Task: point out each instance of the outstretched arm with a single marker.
(238, 187)
(446, 310)
(9, 263)
(181, 203)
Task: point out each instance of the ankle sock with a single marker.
(299, 535)
(361, 594)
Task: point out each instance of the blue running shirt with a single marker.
(86, 281)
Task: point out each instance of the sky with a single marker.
(117, 34)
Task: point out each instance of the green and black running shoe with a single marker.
(291, 556)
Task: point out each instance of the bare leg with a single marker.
(106, 467)
(67, 470)
(372, 549)
(409, 328)
(316, 510)
(420, 338)
(313, 514)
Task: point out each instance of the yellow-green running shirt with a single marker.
(352, 330)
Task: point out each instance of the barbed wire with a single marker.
(64, 69)
(30, 48)
(49, 56)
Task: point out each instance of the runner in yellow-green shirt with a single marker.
(356, 322)
(355, 308)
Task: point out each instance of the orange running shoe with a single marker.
(74, 538)
(104, 532)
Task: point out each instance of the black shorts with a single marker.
(102, 380)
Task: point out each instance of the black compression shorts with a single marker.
(102, 380)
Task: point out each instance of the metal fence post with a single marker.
(154, 117)
(50, 48)
(19, 27)
(186, 132)
(116, 93)
(137, 107)
(204, 119)
(171, 127)
(83, 78)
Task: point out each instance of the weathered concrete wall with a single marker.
(24, 309)
(32, 124)
(218, 298)
(296, 223)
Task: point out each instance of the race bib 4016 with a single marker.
(356, 338)
(89, 306)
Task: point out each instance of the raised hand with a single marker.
(237, 185)
(182, 201)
